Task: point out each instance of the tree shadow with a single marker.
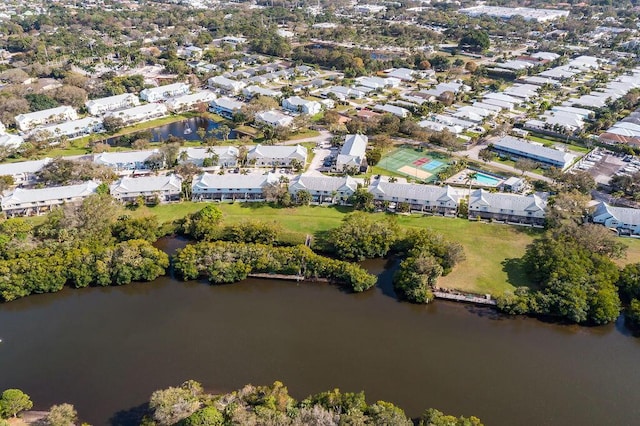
(516, 272)
(385, 279)
(131, 417)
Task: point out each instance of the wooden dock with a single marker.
(284, 277)
(467, 298)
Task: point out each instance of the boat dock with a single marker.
(468, 298)
(296, 278)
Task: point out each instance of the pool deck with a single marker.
(461, 179)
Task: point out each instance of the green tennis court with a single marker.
(413, 163)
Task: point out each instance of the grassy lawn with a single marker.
(485, 270)
(305, 134)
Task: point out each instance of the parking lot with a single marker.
(602, 165)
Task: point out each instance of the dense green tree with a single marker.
(360, 236)
(39, 102)
(170, 406)
(361, 200)
(132, 228)
(62, 415)
(208, 416)
(629, 281)
(475, 40)
(433, 417)
(14, 401)
(416, 276)
(203, 224)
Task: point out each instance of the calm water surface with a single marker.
(178, 128)
(107, 349)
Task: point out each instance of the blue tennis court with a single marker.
(432, 165)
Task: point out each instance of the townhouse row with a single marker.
(428, 199)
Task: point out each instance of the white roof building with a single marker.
(529, 209)
(226, 84)
(324, 188)
(251, 91)
(617, 217)
(162, 93)
(378, 82)
(162, 188)
(69, 129)
(125, 161)
(23, 172)
(298, 104)
(528, 14)
(208, 186)
(111, 103)
(27, 202)
(140, 113)
(10, 141)
(437, 199)
(185, 102)
(395, 110)
(277, 155)
(522, 148)
(227, 156)
(26, 122)
(353, 152)
(274, 118)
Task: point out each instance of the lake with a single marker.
(105, 350)
(178, 129)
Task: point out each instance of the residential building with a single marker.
(69, 129)
(225, 84)
(30, 202)
(391, 109)
(223, 156)
(162, 93)
(225, 107)
(324, 189)
(274, 118)
(621, 218)
(111, 103)
(277, 155)
(153, 189)
(26, 122)
(24, 172)
(378, 82)
(519, 148)
(127, 161)
(10, 141)
(512, 208)
(298, 104)
(528, 14)
(140, 113)
(190, 101)
(251, 91)
(442, 200)
(352, 154)
(231, 187)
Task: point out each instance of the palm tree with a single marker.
(471, 176)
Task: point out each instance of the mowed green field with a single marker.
(492, 250)
(487, 246)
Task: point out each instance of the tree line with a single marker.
(189, 405)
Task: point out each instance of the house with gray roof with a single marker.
(139, 113)
(226, 84)
(231, 187)
(620, 218)
(225, 107)
(162, 93)
(353, 153)
(24, 172)
(510, 146)
(442, 200)
(324, 189)
(512, 208)
(153, 189)
(26, 122)
(273, 118)
(277, 155)
(111, 103)
(126, 161)
(33, 202)
(224, 156)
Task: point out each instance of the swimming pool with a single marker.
(482, 179)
